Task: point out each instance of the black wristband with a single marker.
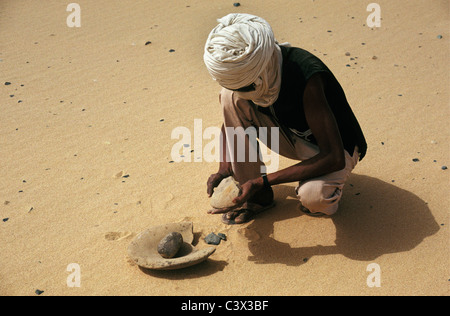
(266, 182)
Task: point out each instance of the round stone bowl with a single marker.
(143, 249)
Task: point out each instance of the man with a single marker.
(270, 85)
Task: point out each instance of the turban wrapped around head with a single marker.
(242, 51)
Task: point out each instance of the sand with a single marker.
(85, 150)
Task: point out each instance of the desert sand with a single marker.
(85, 150)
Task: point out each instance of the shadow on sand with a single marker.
(374, 218)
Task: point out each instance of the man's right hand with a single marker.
(214, 180)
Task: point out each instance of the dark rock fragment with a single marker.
(38, 292)
(222, 236)
(212, 239)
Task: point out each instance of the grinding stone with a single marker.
(143, 249)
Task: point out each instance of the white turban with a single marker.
(242, 51)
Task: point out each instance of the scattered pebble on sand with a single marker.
(39, 292)
(237, 4)
(439, 36)
(171, 50)
(347, 54)
(7, 83)
(5, 220)
(415, 159)
(444, 168)
(148, 43)
(212, 239)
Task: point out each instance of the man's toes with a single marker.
(232, 215)
(242, 217)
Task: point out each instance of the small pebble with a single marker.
(237, 4)
(7, 83)
(148, 43)
(222, 236)
(415, 159)
(171, 50)
(347, 54)
(5, 220)
(439, 36)
(444, 168)
(212, 239)
(38, 292)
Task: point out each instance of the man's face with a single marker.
(248, 88)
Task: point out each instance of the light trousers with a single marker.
(321, 194)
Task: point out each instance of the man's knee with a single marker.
(318, 196)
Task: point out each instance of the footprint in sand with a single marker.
(118, 236)
(162, 201)
(249, 234)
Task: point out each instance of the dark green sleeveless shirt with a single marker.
(298, 67)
